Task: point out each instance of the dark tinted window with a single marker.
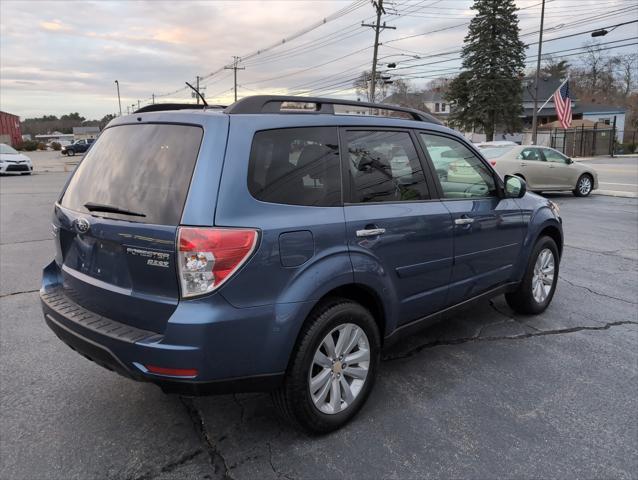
(384, 167)
(296, 166)
(140, 168)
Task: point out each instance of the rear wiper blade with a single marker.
(100, 207)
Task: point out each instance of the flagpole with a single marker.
(550, 97)
(538, 74)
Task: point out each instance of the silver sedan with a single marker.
(542, 168)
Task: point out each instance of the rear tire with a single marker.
(70, 153)
(313, 367)
(536, 290)
(584, 185)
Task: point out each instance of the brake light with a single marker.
(207, 257)
(493, 162)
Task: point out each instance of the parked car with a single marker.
(14, 162)
(262, 248)
(543, 168)
(79, 146)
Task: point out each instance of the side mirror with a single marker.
(569, 161)
(515, 187)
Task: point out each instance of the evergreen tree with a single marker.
(489, 91)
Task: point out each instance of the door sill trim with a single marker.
(423, 322)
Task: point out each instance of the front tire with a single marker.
(333, 367)
(536, 290)
(70, 153)
(584, 185)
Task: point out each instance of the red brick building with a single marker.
(10, 132)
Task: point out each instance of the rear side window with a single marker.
(384, 167)
(296, 166)
(144, 169)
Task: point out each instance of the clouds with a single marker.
(58, 57)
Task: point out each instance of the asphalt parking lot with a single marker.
(486, 394)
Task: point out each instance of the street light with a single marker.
(599, 33)
(118, 96)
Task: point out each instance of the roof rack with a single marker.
(274, 104)
(158, 107)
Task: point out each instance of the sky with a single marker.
(61, 57)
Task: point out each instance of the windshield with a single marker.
(7, 150)
(495, 152)
(144, 169)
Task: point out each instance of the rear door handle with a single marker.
(463, 221)
(370, 232)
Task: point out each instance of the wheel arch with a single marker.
(554, 233)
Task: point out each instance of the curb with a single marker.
(615, 193)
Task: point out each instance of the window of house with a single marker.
(443, 107)
(436, 107)
(296, 166)
(384, 167)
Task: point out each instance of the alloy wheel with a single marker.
(543, 278)
(584, 186)
(339, 368)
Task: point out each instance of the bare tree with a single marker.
(594, 59)
(628, 65)
(362, 87)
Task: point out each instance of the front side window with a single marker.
(296, 166)
(553, 156)
(384, 167)
(461, 173)
(532, 154)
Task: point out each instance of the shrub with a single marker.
(42, 146)
(56, 146)
(28, 145)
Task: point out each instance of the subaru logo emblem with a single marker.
(82, 225)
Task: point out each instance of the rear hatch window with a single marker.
(144, 170)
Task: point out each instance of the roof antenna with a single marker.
(197, 92)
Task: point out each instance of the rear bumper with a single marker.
(206, 347)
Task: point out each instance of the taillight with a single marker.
(207, 257)
(493, 162)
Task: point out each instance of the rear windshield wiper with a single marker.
(100, 207)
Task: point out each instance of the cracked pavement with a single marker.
(488, 393)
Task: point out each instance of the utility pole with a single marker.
(138, 104)
(537, 79)
(128, 110)
(153, 98)
(118, 96)
(197, 88)
(378, 5)
(234, 67)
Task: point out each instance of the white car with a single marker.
(543, 169)
(13, 162)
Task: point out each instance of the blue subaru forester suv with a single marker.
(280, 243)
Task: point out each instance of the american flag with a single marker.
(563, 105)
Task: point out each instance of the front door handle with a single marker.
(463, 221)
(370, 232)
